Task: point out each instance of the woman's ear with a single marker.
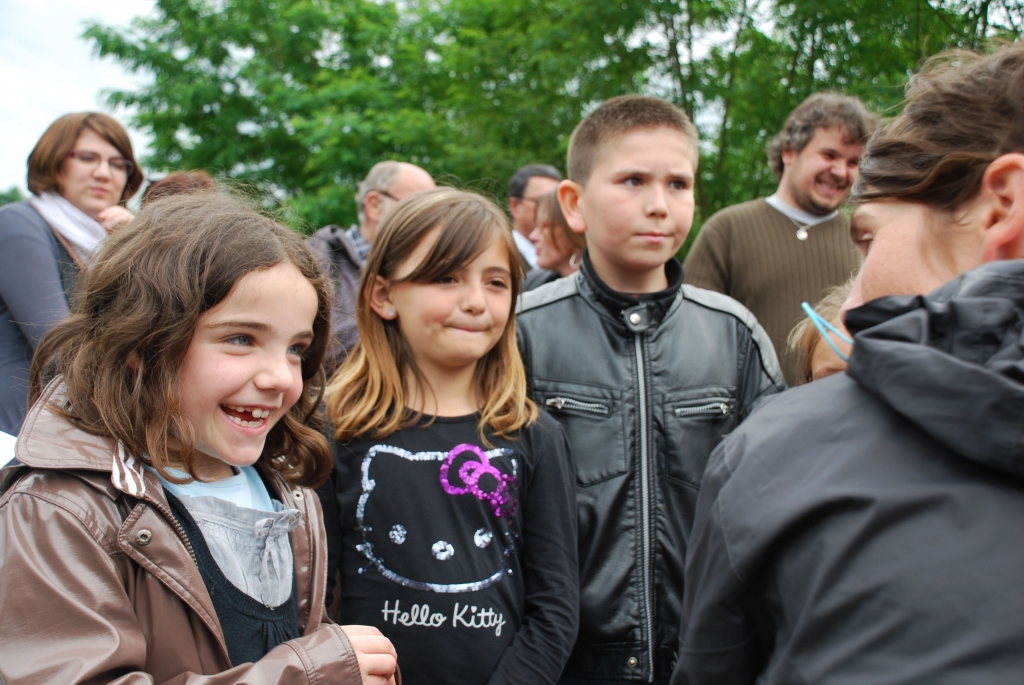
(569, 195)
(1000, 202)
(380, 299)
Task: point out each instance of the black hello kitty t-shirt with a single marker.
(463, 554)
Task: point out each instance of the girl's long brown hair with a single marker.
(367, 394)
(132, 322)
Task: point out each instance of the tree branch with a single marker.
(723, 132)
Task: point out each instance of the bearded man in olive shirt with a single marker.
(774, 253)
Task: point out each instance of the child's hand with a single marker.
(375, 653)
(115, 217)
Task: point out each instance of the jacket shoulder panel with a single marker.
(548, 293)
(75, 493)
(21, 218)
(719, 302)
(726, 305)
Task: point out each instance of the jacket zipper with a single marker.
(569, 403)
(721, 408)
(191, 552)
(645, 504)
(178, 529)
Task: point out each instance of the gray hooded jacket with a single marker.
(339, 259)
(867, 528)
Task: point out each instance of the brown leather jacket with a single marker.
(98, 582)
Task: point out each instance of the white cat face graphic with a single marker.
(438, 521)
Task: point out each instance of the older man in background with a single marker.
(524, 188)
(774, 253)
(342, 252)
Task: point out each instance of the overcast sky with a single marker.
(47, 70)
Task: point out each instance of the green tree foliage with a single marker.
(10, 195)
(740, 67)
(302, 96)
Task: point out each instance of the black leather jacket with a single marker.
(646, 387)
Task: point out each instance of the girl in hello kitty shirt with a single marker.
(451, 509)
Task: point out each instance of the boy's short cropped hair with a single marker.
(616, 117)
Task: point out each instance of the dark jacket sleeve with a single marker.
(332, 253)
(526, 353)
(707, 263)
(759, 372)
(548, 498)
(328, 494)
(724, 636)
(30, 283)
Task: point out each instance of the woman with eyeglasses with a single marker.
(80, 173)
(866, 528)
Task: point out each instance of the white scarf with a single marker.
(796, 214)
(83, 232)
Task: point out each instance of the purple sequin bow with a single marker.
(501, 498)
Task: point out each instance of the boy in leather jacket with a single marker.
(646, 374)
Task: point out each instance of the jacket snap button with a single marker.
(298, 494)
(143, 537)
(632, 660)
(634, 319)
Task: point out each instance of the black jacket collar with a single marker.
(652, 306)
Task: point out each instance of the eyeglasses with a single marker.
(93, 159)
(387, 195)
(827, 330)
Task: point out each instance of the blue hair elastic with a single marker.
(825, 329)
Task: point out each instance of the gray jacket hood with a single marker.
(952, 362)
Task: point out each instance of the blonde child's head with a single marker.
(432, 237)
(815, 358)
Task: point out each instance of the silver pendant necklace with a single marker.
(801, 229)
